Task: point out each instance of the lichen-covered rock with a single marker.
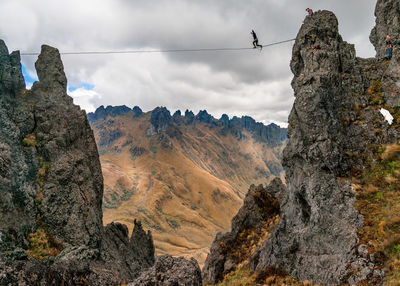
(69, 167)
(50, 69)
(387, 13)
(129, 255)
(256, 217)
(48, 157)
(335, 116)
(170, 271)
(51, 188)
(68, 272)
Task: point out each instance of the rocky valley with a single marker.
(183, 177)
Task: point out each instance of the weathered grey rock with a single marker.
(160, 120)
(51, 185)
(18, 164)
(50, 69)
(387, 13)
(259, 206)
(316, 238)
(132, 255)
(68, 152)
(57, 273)
(170, 271)
(319, 223)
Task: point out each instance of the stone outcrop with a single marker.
(54, 160)
(51, 187)
(65, 148)
(255, 218)
(317, 236)
(387, 15)
(333, 127)
(160, 120)
(319, 223)
(128, 255)
(170, 271)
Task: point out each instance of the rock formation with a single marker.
(51, 188)
(170, 271)
(387, 23)
(255, 218)
(335, 127)
(319, 222)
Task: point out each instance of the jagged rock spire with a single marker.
(50, 69)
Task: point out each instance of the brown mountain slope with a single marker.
(183, 181)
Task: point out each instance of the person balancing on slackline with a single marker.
(255, 42)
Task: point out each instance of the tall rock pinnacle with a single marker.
(318, 220)
(333, 124)
(50, 69)
(51, 189)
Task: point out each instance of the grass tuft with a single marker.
(42, 245)
(30, 140)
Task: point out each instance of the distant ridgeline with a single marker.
(183, 176)
(161, 119)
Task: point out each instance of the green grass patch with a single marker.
(42, 245)
(30, 140)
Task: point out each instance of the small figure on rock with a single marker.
(389, 48)
(310, 12)
(255, 42)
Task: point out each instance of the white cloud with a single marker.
(84, 98)
(236, 83)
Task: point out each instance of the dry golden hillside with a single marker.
(185, 184)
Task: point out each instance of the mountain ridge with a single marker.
(190, 172)
(234, 124)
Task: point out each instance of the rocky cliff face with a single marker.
(387, 15)
(319, 222)
(253, 224)
(46, 164)
(332, 117)
(51, 188)
(335, 130)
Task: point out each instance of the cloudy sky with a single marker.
(237, 83)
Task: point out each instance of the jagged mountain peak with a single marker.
(161, 119)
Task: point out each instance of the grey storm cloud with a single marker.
(235, 82)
